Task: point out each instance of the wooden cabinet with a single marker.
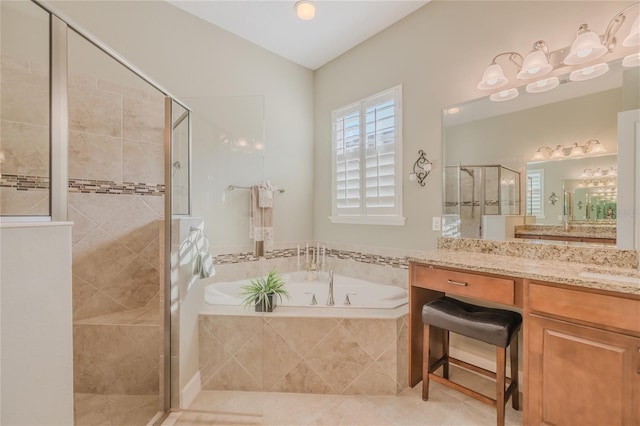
(427, 282)
(582, 357)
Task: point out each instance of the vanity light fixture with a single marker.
(505, 95)
(585, 49)
(632, 60)
(541, 154)
(633, 39)
(543, 85)
(589, 72)
(558, 152)
(305, 10)
(493, 76)
(591, 147)
(421, 168)
(594, 146)
(536, 64)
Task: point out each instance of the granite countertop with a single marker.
(575, 230)
(539, 269)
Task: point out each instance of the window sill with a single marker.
(369, 220)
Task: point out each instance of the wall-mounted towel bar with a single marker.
(232, 187)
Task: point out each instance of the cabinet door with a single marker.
(581, 375)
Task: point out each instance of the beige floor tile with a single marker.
(445, 407)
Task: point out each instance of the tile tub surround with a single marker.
(558, 271)
(575, 230)
(601, 256)
(254, 352)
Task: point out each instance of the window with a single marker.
(535, 191)
(367, 160)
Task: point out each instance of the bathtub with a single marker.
(362, 294)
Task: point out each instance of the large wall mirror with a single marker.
(501, 171)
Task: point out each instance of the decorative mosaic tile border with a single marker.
(85, 186)
(24, 182)
(90, 186)
(394, 262)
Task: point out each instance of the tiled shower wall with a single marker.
(24, 137)
(116, 201)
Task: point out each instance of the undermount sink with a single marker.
(622, 279)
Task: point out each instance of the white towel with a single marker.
(265, 195)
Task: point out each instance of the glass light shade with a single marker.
(540, 154)
(535, 65)
(558, 152)
(576, 151)
(305, 10)
(632, 60)
(633, 39)
(505, 95)
(493, 78)
(586, 47)
(597, 148)
(543, 85)
(589, 72)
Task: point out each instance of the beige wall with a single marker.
(438, 54)
(194, 59)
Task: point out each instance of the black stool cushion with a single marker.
(494, 326)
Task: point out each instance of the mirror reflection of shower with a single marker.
(473, 193)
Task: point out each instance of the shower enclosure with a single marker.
(87, 137)
(472, 192)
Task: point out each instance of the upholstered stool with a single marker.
(497, 327)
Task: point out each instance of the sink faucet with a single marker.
(330, 301)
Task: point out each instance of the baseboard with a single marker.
(190, 391)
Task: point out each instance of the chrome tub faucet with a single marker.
(330, 301)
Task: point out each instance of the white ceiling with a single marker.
(272, 24)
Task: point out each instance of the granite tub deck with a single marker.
(559, 264)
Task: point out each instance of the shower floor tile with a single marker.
(114, 410)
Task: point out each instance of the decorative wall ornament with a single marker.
(421, 168)
(553, 198)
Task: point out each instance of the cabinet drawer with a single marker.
(605, 310)
(500, 290)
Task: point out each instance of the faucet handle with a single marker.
(314, 301)
(347, 301)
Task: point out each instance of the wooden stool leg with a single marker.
(501, 359)
(425, 361)
(515, 397)
(445, 353)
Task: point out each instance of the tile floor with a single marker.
(445, 407)
(114, 410)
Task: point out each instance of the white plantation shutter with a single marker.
(367, 160)
(535, 191)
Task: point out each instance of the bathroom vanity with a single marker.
(581, 329)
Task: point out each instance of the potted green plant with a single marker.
(263, 292)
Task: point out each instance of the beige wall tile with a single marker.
(374, 335)
(99, 207)
(95, 111)
(143, 120)
(14, 202)
(142, 162)
(232, 331)
(134, 286)
(94, 304)
(150, 254)
(278, 357)
(302, 334)
(25, 148)
(232, 376)
(148, 95)
(98, 258)
(94, 156)
(134, 225)
(82, 225)
(25, 97)
(301, 379)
